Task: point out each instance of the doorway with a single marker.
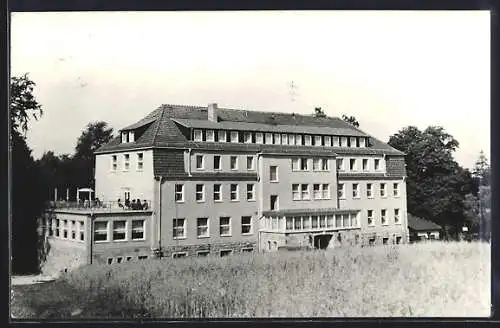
(322, 241)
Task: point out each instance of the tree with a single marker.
(94, 135)
(318, 112)
(481, 170)
(351, 120)
(27, 200)
(436, 184)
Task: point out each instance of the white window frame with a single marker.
(202, 193)
(123, 230)
(251, 192)
(140, 161)
(207, 227)
(341, 190)
(304, 164)
(137, 230)
(126, 162)
(176, 228)
(296, 191)
(100, 231)
(369, 188)
(81, 231)
(325, 190)
(307, 140)
(179, 193)
(235, 136)
(268, 138)
(325, 165)
(295, 164)
(355, 190)
(328, 141)
(343, 141)
(235, 168)
(217, 192)
(353, 142)
(197, 156)
(259, 138)
(317, 193)
(204, 252)
(250, 225)
(351, 166)
(236, 192)
(270, 173)
(221, 136)
(277, 202)
(316, 164)
(397, 216)
(395, 191)
(276, 138)
(114, 163)
(197, 135)
(383, 218)
(228, 225)
(298, 139)
(364, 167)
(335, 141)
(318, 141)
(220, 163)
(383, 191)
(340, 168)
(284, 139)
(372, 217)
(175, 255)
(305, 194)
(362, 142)
(248, 137)
(291, 139)
(251, 160)
(375, 166)
(210, 136)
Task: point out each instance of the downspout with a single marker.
(189, 161)
(259, 216)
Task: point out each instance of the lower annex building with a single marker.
(219, 181)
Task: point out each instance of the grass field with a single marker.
(431, 279)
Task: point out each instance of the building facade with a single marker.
(225, 181)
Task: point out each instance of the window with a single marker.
(305, 192)
(198, 135)
(221, 136)
(250, 163)
(341, 191)
(225, 226)
(274, 202)
(234, 192)
(200, 193)
(57, 228)
(346, 220)
(179, 193)
(269, 138)
(355, 190)
(277, 138)
(233, 160)
(328, 141)
(371, 241)
(318, 141)
(248, 137)
(289, 223)
(178, 255)
(303, 164)
(110, 260)
(338, 220)
(284, 139)
(316, 164)
(100, 231)
(273, 173)
(314, 221)
(385, 241)
(383, 219)
(124, 137)
(398, 240)
(298, 139)
(354, 220)
(250, 192)
(140, 161)
(376, 164)
(365, 164)
(340, 164)
(226, 252)
(353, 142)
(291, 139)
(202, 227)
(295, 191)
(126, 162)
(324, 164)
(369, 214)
(179, 228)
(330, 222)
(335, 142)
(65, 228)
(343, 142)
(322, 221)
(202, 253)
(326, 191)
(259, 138)
(81, 230)
(73, 230)
(210, 135)
(200, 162)
(246, 225)
(247, 250)
(217, 162)
(307, 140)
(395, 187)
(369, 190)
(382, 190)
(352, 164)
(119, 230)
(138, 229)
(396, 216)
(234, 136)
(114, 162)
(217, 192)
(295, 164)
(317, 191)
(362, 142)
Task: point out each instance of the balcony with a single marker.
(99, 206)
(346, 220)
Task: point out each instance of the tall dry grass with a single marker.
(431, 279)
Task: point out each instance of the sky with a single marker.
(389, 69)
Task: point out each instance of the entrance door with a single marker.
(322, 241)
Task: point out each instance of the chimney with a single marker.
(212, 112)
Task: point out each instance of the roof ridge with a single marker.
(158, 120)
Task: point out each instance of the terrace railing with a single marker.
(99, 205)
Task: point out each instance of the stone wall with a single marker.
(212, 249)
(62, 255)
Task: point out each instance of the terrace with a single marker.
(98, 206)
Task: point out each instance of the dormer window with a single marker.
(343, 142)
(222, 136)
(362, 142)
(284, 139)
(298, 139)
(318, 141)
(328, 141)
(336, 141)
(259, 138)
(307, 140)
(277, 138)
(234, 136)
(125, 136)
(291, 139)
(210, 135)
(353, 142)
(248, 137)
(198, 135)
(269, 138)
(131, 136)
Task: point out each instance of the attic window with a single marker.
(198, 135)
(362, 142)
(125, 136)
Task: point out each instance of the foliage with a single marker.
(318, 112)
(351, 120)
(436, 184)
(425, 279)
(27, 203)
(481, 170)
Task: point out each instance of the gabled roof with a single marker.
(419, 224)
(168, 126)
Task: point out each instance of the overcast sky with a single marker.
(389, 69)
